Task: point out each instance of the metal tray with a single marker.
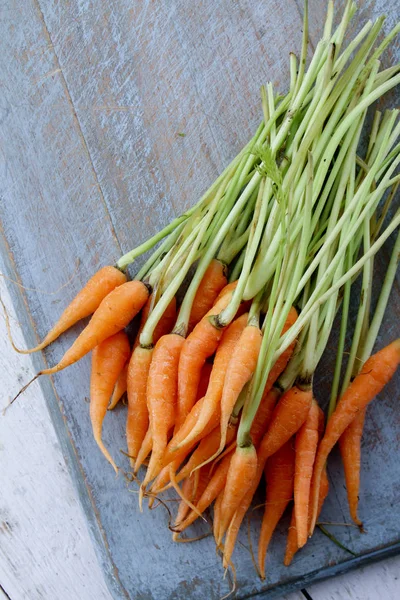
(94, 165)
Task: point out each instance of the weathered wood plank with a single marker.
(158, 74)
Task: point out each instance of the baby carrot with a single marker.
(114, 313)
(108, 360)
(376, 372)
(306, 448)
(164, 325)
(350, 450)
(229, 341)
(287, 418)
(239, 371)
(291, 544)
(85, 303)
(161, 397)
(137, 421)
(279, 474)
(264, 415)
(198, 346)
(241, 473)
(120, 387)
(138, 369)
(214, 487)
(144, 451)
(236, 521)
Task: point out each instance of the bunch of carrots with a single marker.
(220, 385)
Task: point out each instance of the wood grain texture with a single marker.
(94, 96)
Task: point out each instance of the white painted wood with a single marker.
(379, 581)
(45, 548)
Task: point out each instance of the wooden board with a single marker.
(94, 97)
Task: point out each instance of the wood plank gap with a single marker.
(4, 593)
(76, 119)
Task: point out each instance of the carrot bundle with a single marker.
(237, 300)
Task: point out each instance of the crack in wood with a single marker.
(3, 591)
(77, 121)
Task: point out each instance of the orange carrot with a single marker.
(263, 415)
(144, 451)
(376, 372)
(214, 280)
(192, 488)
(287, 418)
(217, 518)
(188, 491)
(208, 445)
(241, 473)
(214, 487)
(137, 421)
(228, 289)
(138, 369)
(279, 474)
(108, 360)
(291, 544)
(258, 429)
(350, 450)
(164, 325)
(115, 312)
(306, 448)
(229, 341)
(176, 457)
(323, 492)
(205, 449)
(163, 476)
(171, 452)
(234, 525)
(120, 387)
(198, 346)
(85, 303)
(239, 371)
(204, 380)
(161, 397)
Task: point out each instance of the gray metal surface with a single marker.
(93, 95)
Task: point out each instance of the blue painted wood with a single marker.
(93, 97)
